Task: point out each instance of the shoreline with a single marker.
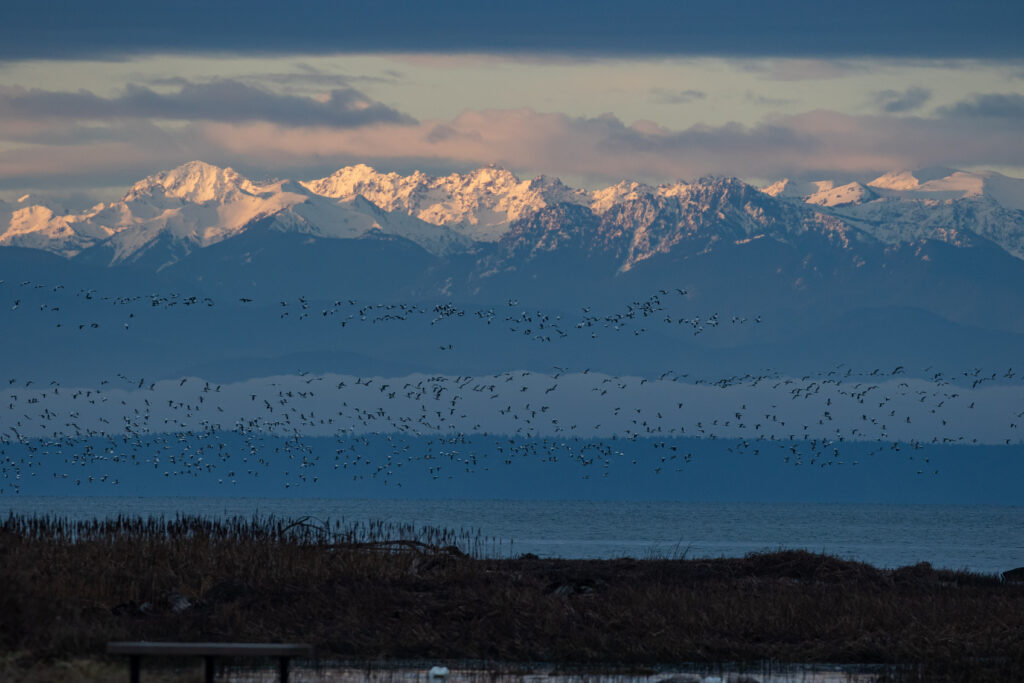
(328, 671)
(983, 539)
(392, 593)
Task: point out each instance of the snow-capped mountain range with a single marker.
(933, 203)
(197, 205)
(480, 204)
(925, 266)
(634, 224)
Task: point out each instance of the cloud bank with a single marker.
(79, 135)
(606, 149)
(55, 29)
(894, 101)
(999, 108)
(220, 100)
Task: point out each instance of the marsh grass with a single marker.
(383, 592)
(20, 668)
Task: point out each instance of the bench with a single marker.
(209, 651)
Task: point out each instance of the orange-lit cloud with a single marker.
(596, 149)
(604, 148)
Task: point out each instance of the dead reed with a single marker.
(378, 591)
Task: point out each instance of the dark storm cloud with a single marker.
(72, 134)
(727, 140)
(600, 150)
(808, 67)
(224, 100)
(999, 108)
(895, 101)
(910, 28)
(663, 96)
(764, 100)
(304, 77)
(301, 78)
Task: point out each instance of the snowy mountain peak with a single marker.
(792, 189)
(492, 177)
(388, 191)
(911, 180)
(625, 190)
(548, 182)
(830, 195)
(350, 180)
(679, 189)
(941, 183)
(629, 190)
(479, 204)
(197, 182)
(717, 191)
(631, 223)
(719, 185)
(821, 192)
(169, 214)
(40, 227)
(936, 203)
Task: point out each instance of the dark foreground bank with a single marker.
(384, 592)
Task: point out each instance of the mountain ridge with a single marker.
(203, 204)
(200, 204)
(937, 202)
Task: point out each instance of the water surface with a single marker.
(979, 538)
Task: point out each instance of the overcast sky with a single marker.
(95, 95)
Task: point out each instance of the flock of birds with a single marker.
(534, 324)
(305, 428)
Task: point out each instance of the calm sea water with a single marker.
(979, 538)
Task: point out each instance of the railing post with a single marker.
(282, 668)
(209, 668)
(133, 668)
